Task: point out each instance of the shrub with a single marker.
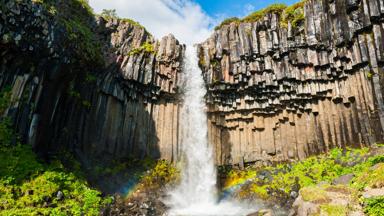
(147, 47)
(162, 173)
(108, 14)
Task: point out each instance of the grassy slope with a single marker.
(276, 183)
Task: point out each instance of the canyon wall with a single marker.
(281, 92)
(102, 88)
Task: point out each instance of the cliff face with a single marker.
(105, 88)
(282, 93)
(115, 97)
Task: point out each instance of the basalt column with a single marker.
(121, 103)
(280, 92)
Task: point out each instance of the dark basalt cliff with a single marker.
(281, 93)
(115, 97)
(105, 88)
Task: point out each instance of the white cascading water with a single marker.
(197, 193)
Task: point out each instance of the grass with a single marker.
(373, 178)
(333, 210)
(374, 206)
(258, 15)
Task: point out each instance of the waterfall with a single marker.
(197, 194)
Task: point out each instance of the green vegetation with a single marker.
(334, 210)
(293, 14)
(373, 178)
(374, 206)
(161, 174)
(90, 78)
(147, 47)
(132, 22)
(272, 9)
(76, 16)
(313, 194)
(277, 182)
(31, 187)
(369, 75)
(108, 14)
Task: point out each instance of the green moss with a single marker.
(147, 47)
(369, 75)
(5, 99)
(293, 14)
(87, 104)
(374, 206)
(90, 78)
(333, 210)
(315, 195)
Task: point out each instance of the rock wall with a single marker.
(279, 93)
(122, 105)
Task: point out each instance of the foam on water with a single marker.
(197, 193)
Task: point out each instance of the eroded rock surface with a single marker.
(281, 93)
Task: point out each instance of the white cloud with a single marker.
(183, 18)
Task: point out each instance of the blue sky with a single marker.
(238, 8)
(191, 21)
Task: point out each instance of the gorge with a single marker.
(281, 85)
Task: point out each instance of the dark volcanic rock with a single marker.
(278, 93)
(124, 104)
